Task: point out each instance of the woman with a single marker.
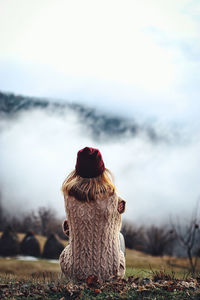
(94, 218)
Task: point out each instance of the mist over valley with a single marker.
(155, 164)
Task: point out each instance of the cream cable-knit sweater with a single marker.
(93, 247)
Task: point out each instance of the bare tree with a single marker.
(134, 236)
(158, 240)
(47, 219)
(30, 222)
(3, 215)
(188, 237)
(43, 221)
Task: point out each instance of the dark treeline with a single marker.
(152, 239)
(171, 239)
(44, 221)
(174, 239)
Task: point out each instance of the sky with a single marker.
(138, 59)
(130, 56)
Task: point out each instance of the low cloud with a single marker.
(38, 149)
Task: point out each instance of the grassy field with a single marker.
(42, 279)
(137, 263)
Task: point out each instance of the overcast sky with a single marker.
(135, 56)
(140, 58)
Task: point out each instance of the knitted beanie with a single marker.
(89, 163)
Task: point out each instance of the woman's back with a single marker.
(94, 239)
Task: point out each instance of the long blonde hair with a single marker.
(87, 189)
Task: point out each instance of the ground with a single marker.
(147, 277)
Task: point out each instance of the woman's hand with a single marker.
(121, 205)
(65, 228)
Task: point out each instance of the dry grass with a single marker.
(13, 267)
(141, 260)
(28, 269)
(139, 263)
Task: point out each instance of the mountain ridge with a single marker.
(99, 123)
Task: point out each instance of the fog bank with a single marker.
(38, 149)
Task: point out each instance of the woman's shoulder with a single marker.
(71, 200)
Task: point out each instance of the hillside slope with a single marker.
(100, 124)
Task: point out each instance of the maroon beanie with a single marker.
(89, 163)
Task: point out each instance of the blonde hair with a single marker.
(87, 189)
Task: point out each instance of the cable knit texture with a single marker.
(93, 247)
